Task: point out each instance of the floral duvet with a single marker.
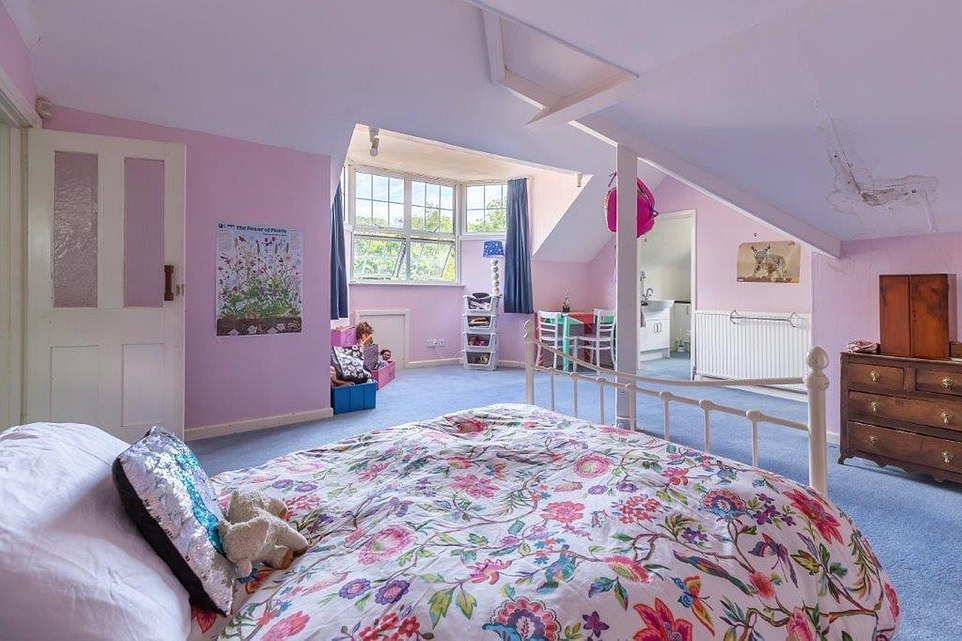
(512, 522)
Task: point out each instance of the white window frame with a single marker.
(476, 235)
(353, 229)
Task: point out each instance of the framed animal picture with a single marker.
(774, 261)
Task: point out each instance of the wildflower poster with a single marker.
(260, 275)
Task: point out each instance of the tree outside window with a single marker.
(404, 229)
(486, 208)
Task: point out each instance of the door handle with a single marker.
(168, 283)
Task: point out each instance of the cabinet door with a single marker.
(662, 337)
(894, 294)
(929, 315)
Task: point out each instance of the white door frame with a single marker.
(15, 113)
(693, 214)
(128, 327)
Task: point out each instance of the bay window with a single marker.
(404, 228)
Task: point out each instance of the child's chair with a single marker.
(603, 338)
(554, 331)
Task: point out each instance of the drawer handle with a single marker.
(946, 418)
(875, 405)
(947, 382)
(875, 376)
(947, 457)
(873, 440)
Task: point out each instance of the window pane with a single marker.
(447, 221)
(417, 193)
(75, 229)
(143, 232)
(397, 190)
(493, 196)
(475, 220)
(432, 260)
(363, 212)
(380, 214)
(447, 197)
(396, 211)
(378, 258)
(417, 217)
(475, 197)
(380, 188)
(362, 185)
(433, 196)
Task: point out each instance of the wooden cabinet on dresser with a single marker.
(903, 411)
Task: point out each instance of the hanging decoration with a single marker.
(646, 207)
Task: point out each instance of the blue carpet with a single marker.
(914, 525)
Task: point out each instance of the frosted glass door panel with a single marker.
(143, 232)
(75, 204)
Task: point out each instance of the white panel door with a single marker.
(103, 346)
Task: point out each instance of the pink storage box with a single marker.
(384, 375)
(344, 337)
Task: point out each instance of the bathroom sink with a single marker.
(653, 305)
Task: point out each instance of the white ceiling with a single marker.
(802, 112)
(433, 159)
(818, 108)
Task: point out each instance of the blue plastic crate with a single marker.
(352, 398)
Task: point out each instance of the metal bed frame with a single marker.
(816, 382)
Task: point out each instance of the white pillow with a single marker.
(72, 564)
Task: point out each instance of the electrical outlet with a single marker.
(432, 342)
(441, 342)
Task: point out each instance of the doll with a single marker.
(365, 334)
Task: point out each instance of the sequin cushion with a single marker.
(169, 497)
(349, 363)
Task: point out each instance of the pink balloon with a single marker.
(646, 208)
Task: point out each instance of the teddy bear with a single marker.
(255, 530)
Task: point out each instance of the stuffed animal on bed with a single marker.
(256, 531)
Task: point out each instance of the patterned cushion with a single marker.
(169, 497)
(349, 363)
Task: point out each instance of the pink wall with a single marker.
(435, 312)
(846, 304)
(14, 58)
(227, 378)
(719, 230)
(602, 277)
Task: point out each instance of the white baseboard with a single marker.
(511, 364)
(251, 424)
(434, 362)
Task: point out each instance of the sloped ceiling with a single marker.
(839, 113)
(300, 74)
(833, 119)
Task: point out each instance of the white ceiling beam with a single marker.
(589, 100)
(494, 38)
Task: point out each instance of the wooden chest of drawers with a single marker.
(903, 411)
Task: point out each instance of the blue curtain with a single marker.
(517, 257)
(338, 259)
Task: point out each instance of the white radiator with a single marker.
(737, 344)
